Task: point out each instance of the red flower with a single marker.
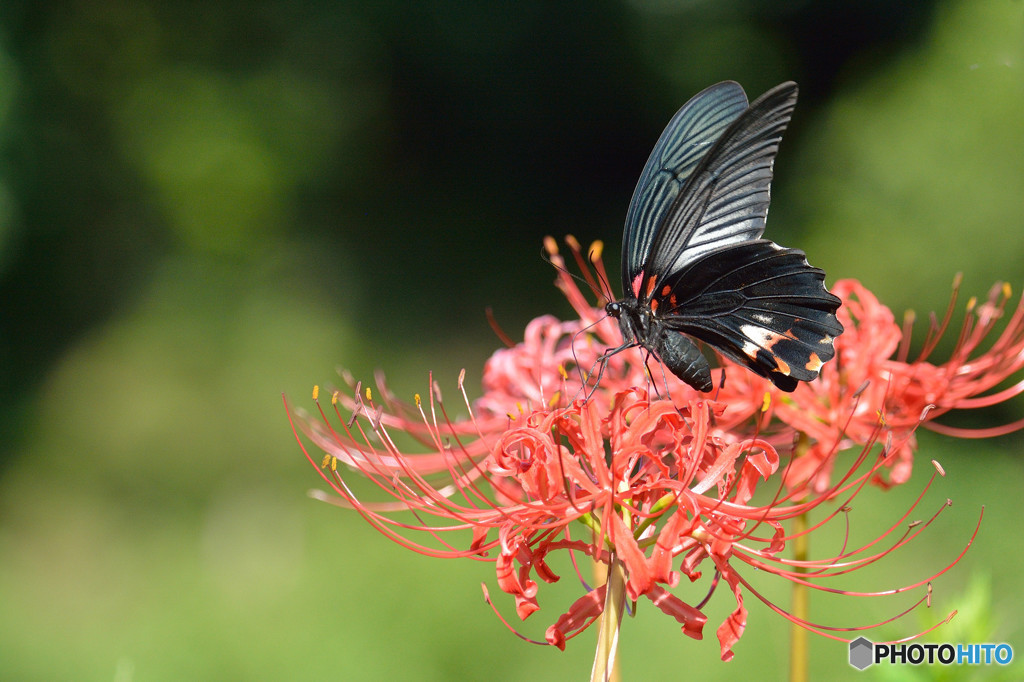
(654, 487)
(870, 382)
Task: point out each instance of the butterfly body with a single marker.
(641, 327)
(693, 260)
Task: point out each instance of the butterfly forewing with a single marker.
(725, 200)
(689, 135)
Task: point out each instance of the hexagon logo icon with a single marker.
(861, 653)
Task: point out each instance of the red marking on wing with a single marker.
(636, 285)
(651, 283)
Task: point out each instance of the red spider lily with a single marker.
(653, 488)
(871, 380)
(644, 483)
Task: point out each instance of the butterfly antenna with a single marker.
(550, 255)
(594, 255)
(586, 265)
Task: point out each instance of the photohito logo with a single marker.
(863, 653)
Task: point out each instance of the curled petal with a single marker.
(690, 618)
(577, 618)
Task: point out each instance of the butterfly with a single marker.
(693, 260)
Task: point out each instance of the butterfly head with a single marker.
(634, 321)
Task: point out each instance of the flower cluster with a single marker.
(645, 476)
(872, 383)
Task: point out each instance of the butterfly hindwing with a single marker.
(759, 304)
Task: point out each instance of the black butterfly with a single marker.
(692, 257)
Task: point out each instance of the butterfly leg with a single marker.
(602, 360)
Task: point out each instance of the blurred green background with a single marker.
(206, 205)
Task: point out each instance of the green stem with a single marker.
(608, 634)
(798, 651)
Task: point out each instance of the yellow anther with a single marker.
(766, 401)
(334, 398)
(973, 301)
(561, 370)
(550, 245)
(316, 391)
(326, 460)
(554, 399)
(1007, 290)
(596, 249)
(417, 399)
(369, 395)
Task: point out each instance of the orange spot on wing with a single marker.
(814, 364)
(773, 339)
(650, 286)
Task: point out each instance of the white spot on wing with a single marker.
(758, 336)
